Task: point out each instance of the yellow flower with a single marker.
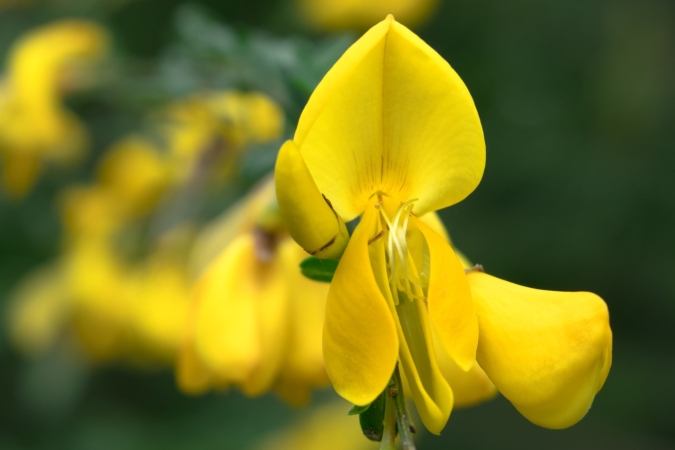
(34, 125)
(217, 126)
(359, 14)
(135, 173)
(255, 321)
(391, 134)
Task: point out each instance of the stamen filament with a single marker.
(400, 267)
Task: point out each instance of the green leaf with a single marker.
(358, 409)
(319, 269)
(372, 419)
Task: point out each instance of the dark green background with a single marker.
(577, 100)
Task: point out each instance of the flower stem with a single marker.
(405, 427)
(389, 433)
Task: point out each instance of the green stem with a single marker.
(405, 428)
(389, 433)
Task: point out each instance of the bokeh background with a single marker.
(577, 102)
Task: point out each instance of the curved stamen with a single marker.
(401, 269)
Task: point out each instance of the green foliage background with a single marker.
(577, 101)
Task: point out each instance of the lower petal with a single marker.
(449, 300)
(360, 344)
(419, 370)
(547, 352)
(430, 391)
(469, 388)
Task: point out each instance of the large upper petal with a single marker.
(392, 116)
(360, 343)
(548, 352)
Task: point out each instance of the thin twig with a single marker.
(405, 427)
(389, 433)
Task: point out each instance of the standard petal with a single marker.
(392, 116)
(449, 300)
(547, 352)
(360, 344)
(308, 215)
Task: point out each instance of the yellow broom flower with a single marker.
(391, 134)
(218, 125)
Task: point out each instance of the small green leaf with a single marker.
(358, 410)
(319, 269)
(372, 419)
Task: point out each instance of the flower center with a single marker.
(403, 275)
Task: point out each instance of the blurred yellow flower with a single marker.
(101, 295)
(161, 298)
(326, 428)
(34, 125)
(213, 128)
(136, 173)
(255, 321)
(390, 134)
(132, 176)
(89, 212)
(39, 310)
(118, 310)
(360, 14)
(136, 311)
